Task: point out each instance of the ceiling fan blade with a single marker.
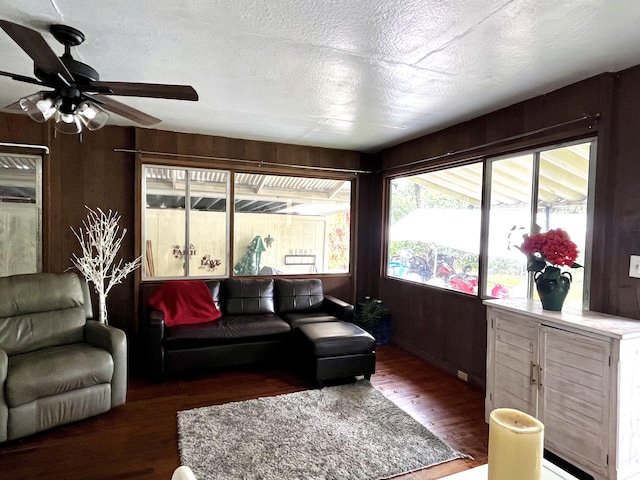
(15, 106)
(155, 90)
(22, 78)
(123, 110)
(35, 46)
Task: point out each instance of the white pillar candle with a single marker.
(515, 445)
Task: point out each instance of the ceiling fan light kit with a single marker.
(93, 116)
(39, 106)
(69, 116)
(79, 99)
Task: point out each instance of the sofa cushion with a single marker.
(243, 296)
(229, 329)
(299, 294)
(295, 319)
(332, 339)
(185, 302)
(56, 370)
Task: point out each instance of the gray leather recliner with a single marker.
(56, 365)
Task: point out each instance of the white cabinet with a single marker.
(576, 371)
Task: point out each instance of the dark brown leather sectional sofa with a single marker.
(258, 323)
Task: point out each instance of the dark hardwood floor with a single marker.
(139, 439)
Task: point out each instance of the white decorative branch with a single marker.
(100, 244)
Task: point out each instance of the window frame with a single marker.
(590, 201)
(387, 214)
(188, 170)
(39, 198)
(486, 160)
(191, 164)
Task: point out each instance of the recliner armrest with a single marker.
(4, 409)
(114, 341)
(338, 308)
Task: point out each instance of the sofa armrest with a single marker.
(114, 341)
(338, 308)
(4, 409)
(154, 346)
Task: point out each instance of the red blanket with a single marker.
(184, 302)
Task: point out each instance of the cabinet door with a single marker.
(574, 400)
(515, 356)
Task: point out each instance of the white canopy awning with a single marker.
(459, 229)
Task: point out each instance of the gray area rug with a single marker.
(344, 432)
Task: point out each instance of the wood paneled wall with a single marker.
(618, 293)
(449, 329)
(91, 174)
(370, 204)
(22, 130)
(236, 150)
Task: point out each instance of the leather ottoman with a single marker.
(337, 350)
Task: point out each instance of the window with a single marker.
(20, 214)
(556, 182)
(435, 219)
(170, 248)
(509, 219)
(281, 224)
(291, 225)
(434, 232)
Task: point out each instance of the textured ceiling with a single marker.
(358, 74)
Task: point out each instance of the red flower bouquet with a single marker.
(548, 251)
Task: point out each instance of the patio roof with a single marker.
(563, 179)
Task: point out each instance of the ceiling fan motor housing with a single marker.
(81, 72)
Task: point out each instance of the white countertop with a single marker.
(549, 472)
(600, 323)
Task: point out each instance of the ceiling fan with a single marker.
(78, 97)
